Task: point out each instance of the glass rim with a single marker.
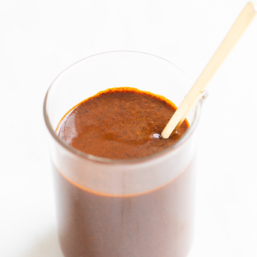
(95, 158)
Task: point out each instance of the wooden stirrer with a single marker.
(240, 25)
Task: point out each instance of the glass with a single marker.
(121, 208)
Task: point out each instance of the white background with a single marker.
(38, 39)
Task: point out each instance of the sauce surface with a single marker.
(120, 123)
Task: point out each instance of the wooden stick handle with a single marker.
(240, 25)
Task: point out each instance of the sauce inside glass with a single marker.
(123, 123)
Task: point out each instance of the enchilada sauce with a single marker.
(123, 123)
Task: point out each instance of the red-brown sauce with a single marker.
(123, 124)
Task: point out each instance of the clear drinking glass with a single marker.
(122, 208)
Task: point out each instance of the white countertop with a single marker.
(39, 39)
